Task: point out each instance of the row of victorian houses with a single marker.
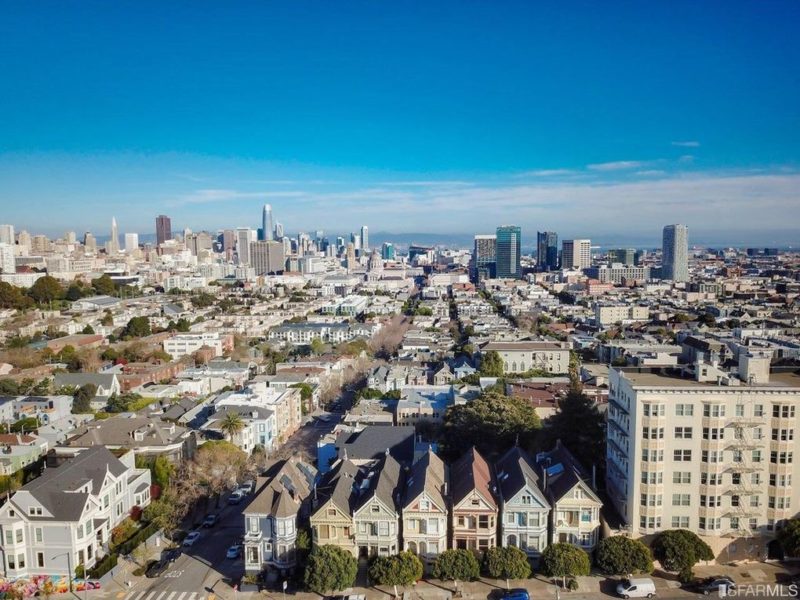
(382, 506)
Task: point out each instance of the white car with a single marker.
(234, 551)
(190, 539)
(236, 496)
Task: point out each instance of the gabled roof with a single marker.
(385, 483)
(515, 472)
(337, 486)
(472, 472)
(54, 488)
(372, 442)
(560, 472)
(429, 475)
(282, 490)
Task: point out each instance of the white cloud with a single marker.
(651, 172)
(544, 173)
(619, 165)
(687, 144)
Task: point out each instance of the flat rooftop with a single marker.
(662, 379)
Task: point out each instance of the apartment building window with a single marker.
(653, 410)
(711, 456)
(680, 522)
(710, 478)
(713, 410)
(21, 561)
(782, 435)
(710, 524)
(652, 455)
(783, 411)
(754, 502)
(734, 500)
(19, 535)
(433, 525)
(738, 456)
(739, 410)
(652, 477)
(756, 456)
(782, 458)
(649, 500)
(681, 477)
(713, 433)
(758, 410)
(9, 536)
(40, 559)
(681, 499)
(736, 478)
(710, 501)
(653, 433)
(780, 503)
(38, 534)
(682, 455)
(683, 433)
(734, 522)
(684, 410)
(780, 480)
(650, 522)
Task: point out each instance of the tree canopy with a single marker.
(789, 537)
(330, 569)
(620, 555)
(507, 563)
(81, 400)
(46, 289)
(680, 550)
(492, 423)
(580, 427)
(491, 364)
(136, 327)
(564, 560)
(402, 569)
(456, 565)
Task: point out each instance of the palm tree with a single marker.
(231, 424)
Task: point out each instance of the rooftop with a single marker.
(782, 379)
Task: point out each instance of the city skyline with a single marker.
(531, 117)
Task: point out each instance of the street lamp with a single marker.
(69, 566)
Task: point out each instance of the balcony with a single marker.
(253, 536)
(743, 421)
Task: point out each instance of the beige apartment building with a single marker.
(713, 453)
(519, 357)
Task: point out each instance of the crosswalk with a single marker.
(147, 595)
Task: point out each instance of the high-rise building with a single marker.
(484, 257)
(623, 256)
(547, 250)
(267, 257)
(675, 253)
(244, 235)
(364, 239)
(70, 237)
(131, 242)
(350, 257)
(279, 231)
(228, 240)
(7, 234)
(576, 254)
(267, 231)
(507, 253)
(387, 252)
(24, 239)
(113, 242)
(163, 229)
(7, 261)
(669, 434)
(89, 241)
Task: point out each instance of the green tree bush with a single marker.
(330, 569)
(507, 563)
(620, 555)
(456, 565)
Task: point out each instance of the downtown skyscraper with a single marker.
(675, 253)
(163, 229)
(267, 228)
(547, 250)
(484, 257)
(508, 250)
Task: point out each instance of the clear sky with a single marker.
(590, 118)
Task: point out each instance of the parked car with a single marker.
(190, 539)
(210, 520)
(516, 594)
(636, 588)
(248, 486)
(234, 551)
(714, 585)
(236, 496)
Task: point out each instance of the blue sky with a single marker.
(408, 116)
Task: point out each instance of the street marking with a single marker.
(150, 596)
(120, 594)
(182, 595)
(193, 596)
(172, 595)
(161, 595)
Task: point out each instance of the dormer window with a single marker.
(35, 511)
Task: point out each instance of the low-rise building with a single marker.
(425, 508)
(473, 505)
(64, 518)
(519, 357)
(184, 344)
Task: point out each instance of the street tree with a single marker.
(456, 565)
(789, 537)
(680, 550)
(621, 555)
(564, 560)
(508, 562)
(330, 569)
(401, 569)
